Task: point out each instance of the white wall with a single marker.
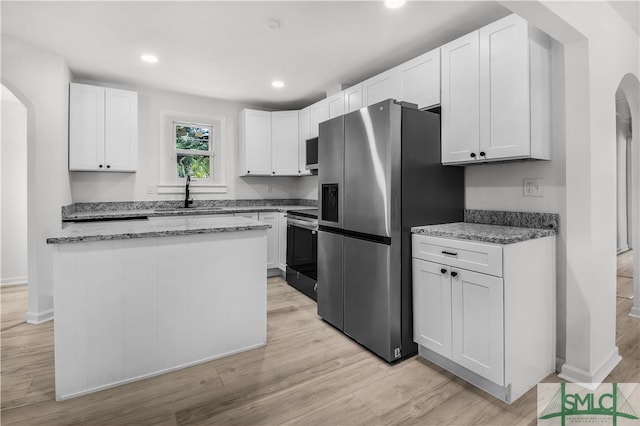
(599, 49)
(40, 80)
(308, 188)
(102, 186)
(13, 265)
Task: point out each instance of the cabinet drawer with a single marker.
(480, 257)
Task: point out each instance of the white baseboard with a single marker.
(13, 280)
(635, 311)
(577, 375)
(39, 317)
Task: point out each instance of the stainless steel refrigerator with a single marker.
(379, 175)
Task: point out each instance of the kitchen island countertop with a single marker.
(496, 234)
(143, 228)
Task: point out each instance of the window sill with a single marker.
(194, 188)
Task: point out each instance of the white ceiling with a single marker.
(221, 49)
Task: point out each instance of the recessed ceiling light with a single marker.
(278, 84)
(149, 59)
(272, 25)
(394, 4)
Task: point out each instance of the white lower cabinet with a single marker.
(282, 242)
(276, 242)
(495, 331)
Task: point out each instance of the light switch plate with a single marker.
(533, 187)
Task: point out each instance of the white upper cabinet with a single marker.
(353, 98)
(103, 129)
(268, 143)
(284, 143)
(318, 113)
(496, 94)
(335, 105)
(420, 80)
(255, 143)
(460, 113)
(383, 86)
(303, 135)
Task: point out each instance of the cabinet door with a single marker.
(256, 138)
(353, 98)
(318, 113)
(86, 127)
(382, 86)
(460, 99)
(282, 241)
(432, 306)
(504, 89)
(121, 130)
(273, 237)
(420, 80)
(335, 105)
(478, 323)
(303, 132)
(284, 143)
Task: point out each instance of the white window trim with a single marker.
(168, 183)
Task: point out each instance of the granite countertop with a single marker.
(497, 234)
(107, 215)
(126, 229)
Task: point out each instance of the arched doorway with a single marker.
(628, 117)
(14, 207)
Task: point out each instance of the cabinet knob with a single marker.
(473, 155)
(273, 173)
(248, 171)
(108, 166)
(444, 271)
(100, 166)
(482, 154)
(454, 274)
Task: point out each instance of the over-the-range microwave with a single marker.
(311, 162)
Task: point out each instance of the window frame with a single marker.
(169, 182)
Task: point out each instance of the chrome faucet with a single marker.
(187, 201)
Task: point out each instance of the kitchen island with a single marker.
(137, 298)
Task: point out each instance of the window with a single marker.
(193, 150)
(191, 145)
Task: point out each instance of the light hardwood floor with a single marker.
(308, 374)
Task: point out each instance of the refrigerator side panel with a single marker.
(367, 174)
(368, 313)
(331, 173)
(330, 291)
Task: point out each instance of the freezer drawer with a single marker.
(330, 294)
(372, 297)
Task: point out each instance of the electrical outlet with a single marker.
(533, 187)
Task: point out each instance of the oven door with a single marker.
(302, 247)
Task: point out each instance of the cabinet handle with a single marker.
(482, 154)
(454, 274)
(450, 253)
(444, 271)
